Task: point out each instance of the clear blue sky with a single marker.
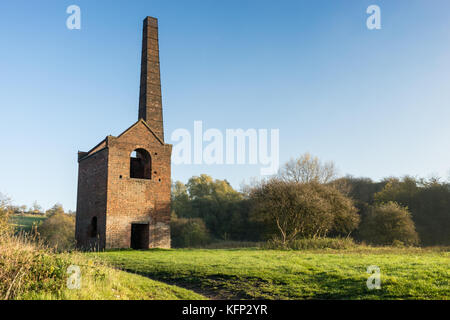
(377, 103)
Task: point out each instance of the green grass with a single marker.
(274, 274)
(31, 271)
(26, 222)
(101, 282)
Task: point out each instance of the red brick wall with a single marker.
(91, 199)
(106, 190)
(137, 200)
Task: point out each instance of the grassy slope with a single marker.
(29, 270)
(26, 222)
(270, 274)
(101, 282)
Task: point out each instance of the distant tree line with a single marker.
(34, 209)
(307, 200)
(224, 211)
(427, 200)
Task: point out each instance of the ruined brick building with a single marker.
(124, 182)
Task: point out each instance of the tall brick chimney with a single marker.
(150, 103)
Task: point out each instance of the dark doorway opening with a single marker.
(93, 228)
(139, 235)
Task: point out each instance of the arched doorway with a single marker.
(93, 228)
(140, 164)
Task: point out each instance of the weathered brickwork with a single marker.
(124, 199)
(150, 101)
(91, 202)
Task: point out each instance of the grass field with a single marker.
(25, 222)
(100, 282)
(253, 273)
(271, 274)
(30, 271)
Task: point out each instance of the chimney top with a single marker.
(152, 21)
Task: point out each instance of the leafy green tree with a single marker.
(222, 208)
(190, 232)
(387, 224)
(56, 209)
(181, 204)
(402, 190)
(58, 231)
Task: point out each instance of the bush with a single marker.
(56, 209)
(429, 204)
(5, 213)
(188, 232)
(308, 244)
(388, 224)
(26, 266)
(5, 226)
(306, 210)
(58, 231)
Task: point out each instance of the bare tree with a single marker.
(306, 169)
(4, 201)
(5, 211)
(35, 208)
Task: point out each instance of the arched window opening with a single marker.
(93, 228)
(140, 164)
